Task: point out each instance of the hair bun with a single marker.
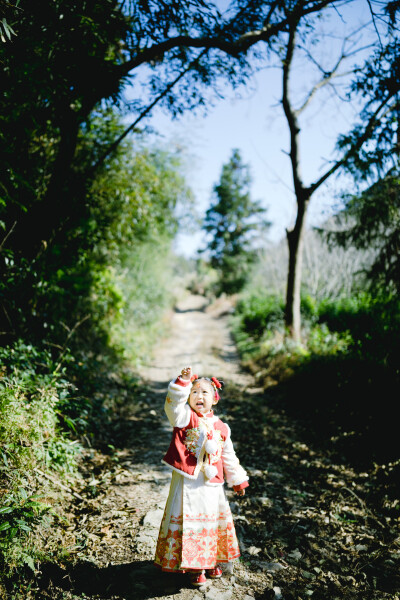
(217, 382)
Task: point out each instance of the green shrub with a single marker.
(308, 308)
(349, 355)
(259, 313)
(323, 341)
(32, 444)
(146, 285)
(373, 323)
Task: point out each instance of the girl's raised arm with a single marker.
(176, 406)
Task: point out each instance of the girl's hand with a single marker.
(241, 492)
(186, 373)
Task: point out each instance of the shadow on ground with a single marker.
(139, 580)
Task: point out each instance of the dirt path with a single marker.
(116, 530)
(308, 526)
(201, 339)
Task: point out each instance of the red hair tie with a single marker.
(216, 382)
(193, 378)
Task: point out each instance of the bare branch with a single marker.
(367, 131)
(374, 22)
(327, 76)
(7, 235)
(113, 146)
(322, 83)
(240, 45)
(290, 113)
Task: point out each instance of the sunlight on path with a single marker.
(200, 338)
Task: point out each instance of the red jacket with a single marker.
(187, 452)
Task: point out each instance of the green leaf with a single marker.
(6, 29)
(5, 526)
(6, 509)
(28, 560)
(23, 493)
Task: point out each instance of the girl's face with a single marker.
(202, 396)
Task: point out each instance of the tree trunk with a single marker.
(295, 239)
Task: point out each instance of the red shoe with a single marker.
(214, 573)
(198, 578)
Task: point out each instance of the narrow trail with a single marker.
(200, 338)
(309, 526)
(117, 529)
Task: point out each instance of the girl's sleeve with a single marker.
(235, 475)
(176, 406)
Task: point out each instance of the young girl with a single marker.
(197, 529)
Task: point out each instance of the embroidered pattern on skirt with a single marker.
(192, 539)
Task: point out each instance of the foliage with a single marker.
(372, 220)
(8, 11)
(146, 283)
(350, 354)
(131, 201)
(371, 147)
(35, 439)
(67, 60)
(260, 312)
(232, 222)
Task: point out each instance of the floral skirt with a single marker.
(197, 529)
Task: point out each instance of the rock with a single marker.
(228, 568)
(253, 550)
(217, 594)
(240, 518)
(145, 541)
(264, 501)
(203, 588)
(278, 593)
(153, 518)
(271, 567)
(295, 554)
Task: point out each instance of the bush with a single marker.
(32, 443)
(373, 323)
(259, 313)
(349, 357)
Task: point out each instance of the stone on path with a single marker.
(218, 594)
(153, 519)
(271, 567)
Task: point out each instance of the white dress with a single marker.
(197, 529)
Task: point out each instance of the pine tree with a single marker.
(232, 221)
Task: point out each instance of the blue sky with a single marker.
(254, 123)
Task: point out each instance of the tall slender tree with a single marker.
(353, 145)
(232, 222)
